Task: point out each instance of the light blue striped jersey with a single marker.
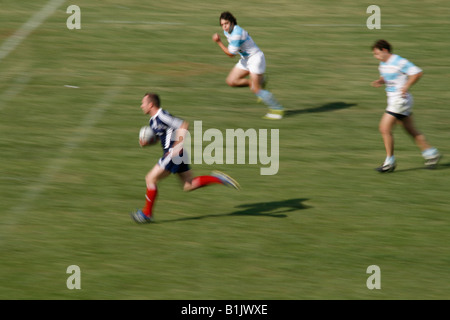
(164, 125)
(395, 73)
(239, 41)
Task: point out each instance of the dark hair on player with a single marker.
(226, 15)
(154, 98)
(382, 44)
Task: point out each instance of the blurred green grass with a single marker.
(72, 170)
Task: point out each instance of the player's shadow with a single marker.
(273, 209)
(440, 166)
(332, 106)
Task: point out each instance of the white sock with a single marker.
(389, 160)
(429, 152)
(268, 98)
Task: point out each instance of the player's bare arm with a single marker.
(216, 38)
(411, 80)
(378, 83)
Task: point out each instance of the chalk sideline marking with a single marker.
(22, 33)
(55, 165)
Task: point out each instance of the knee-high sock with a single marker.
(268, 98)
(150, 198)
(202, 181)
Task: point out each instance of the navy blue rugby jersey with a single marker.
(165, 125)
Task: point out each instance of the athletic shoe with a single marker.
(140, 217)
(274, 114)
(226, 179)
(432, 162)
(386, 168)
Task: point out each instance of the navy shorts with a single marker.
(167, 163)
(398, 116)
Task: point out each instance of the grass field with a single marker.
(72, 170)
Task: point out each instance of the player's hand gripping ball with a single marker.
(147, 136)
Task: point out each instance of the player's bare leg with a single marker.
(419, 138)
(275, 109)
(242, 78)
(256, 81)
(151, 179)
(186, 179)
(429, 153)
(238, 78)
(191, 183)
(156, 174)
(387, 123)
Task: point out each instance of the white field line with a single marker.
(56, 164)
(22, 33)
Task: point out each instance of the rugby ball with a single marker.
(147, 136)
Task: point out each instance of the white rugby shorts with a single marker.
(255, 64)
(399, 105)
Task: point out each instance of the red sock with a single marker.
(202, 181)
(150, 197)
